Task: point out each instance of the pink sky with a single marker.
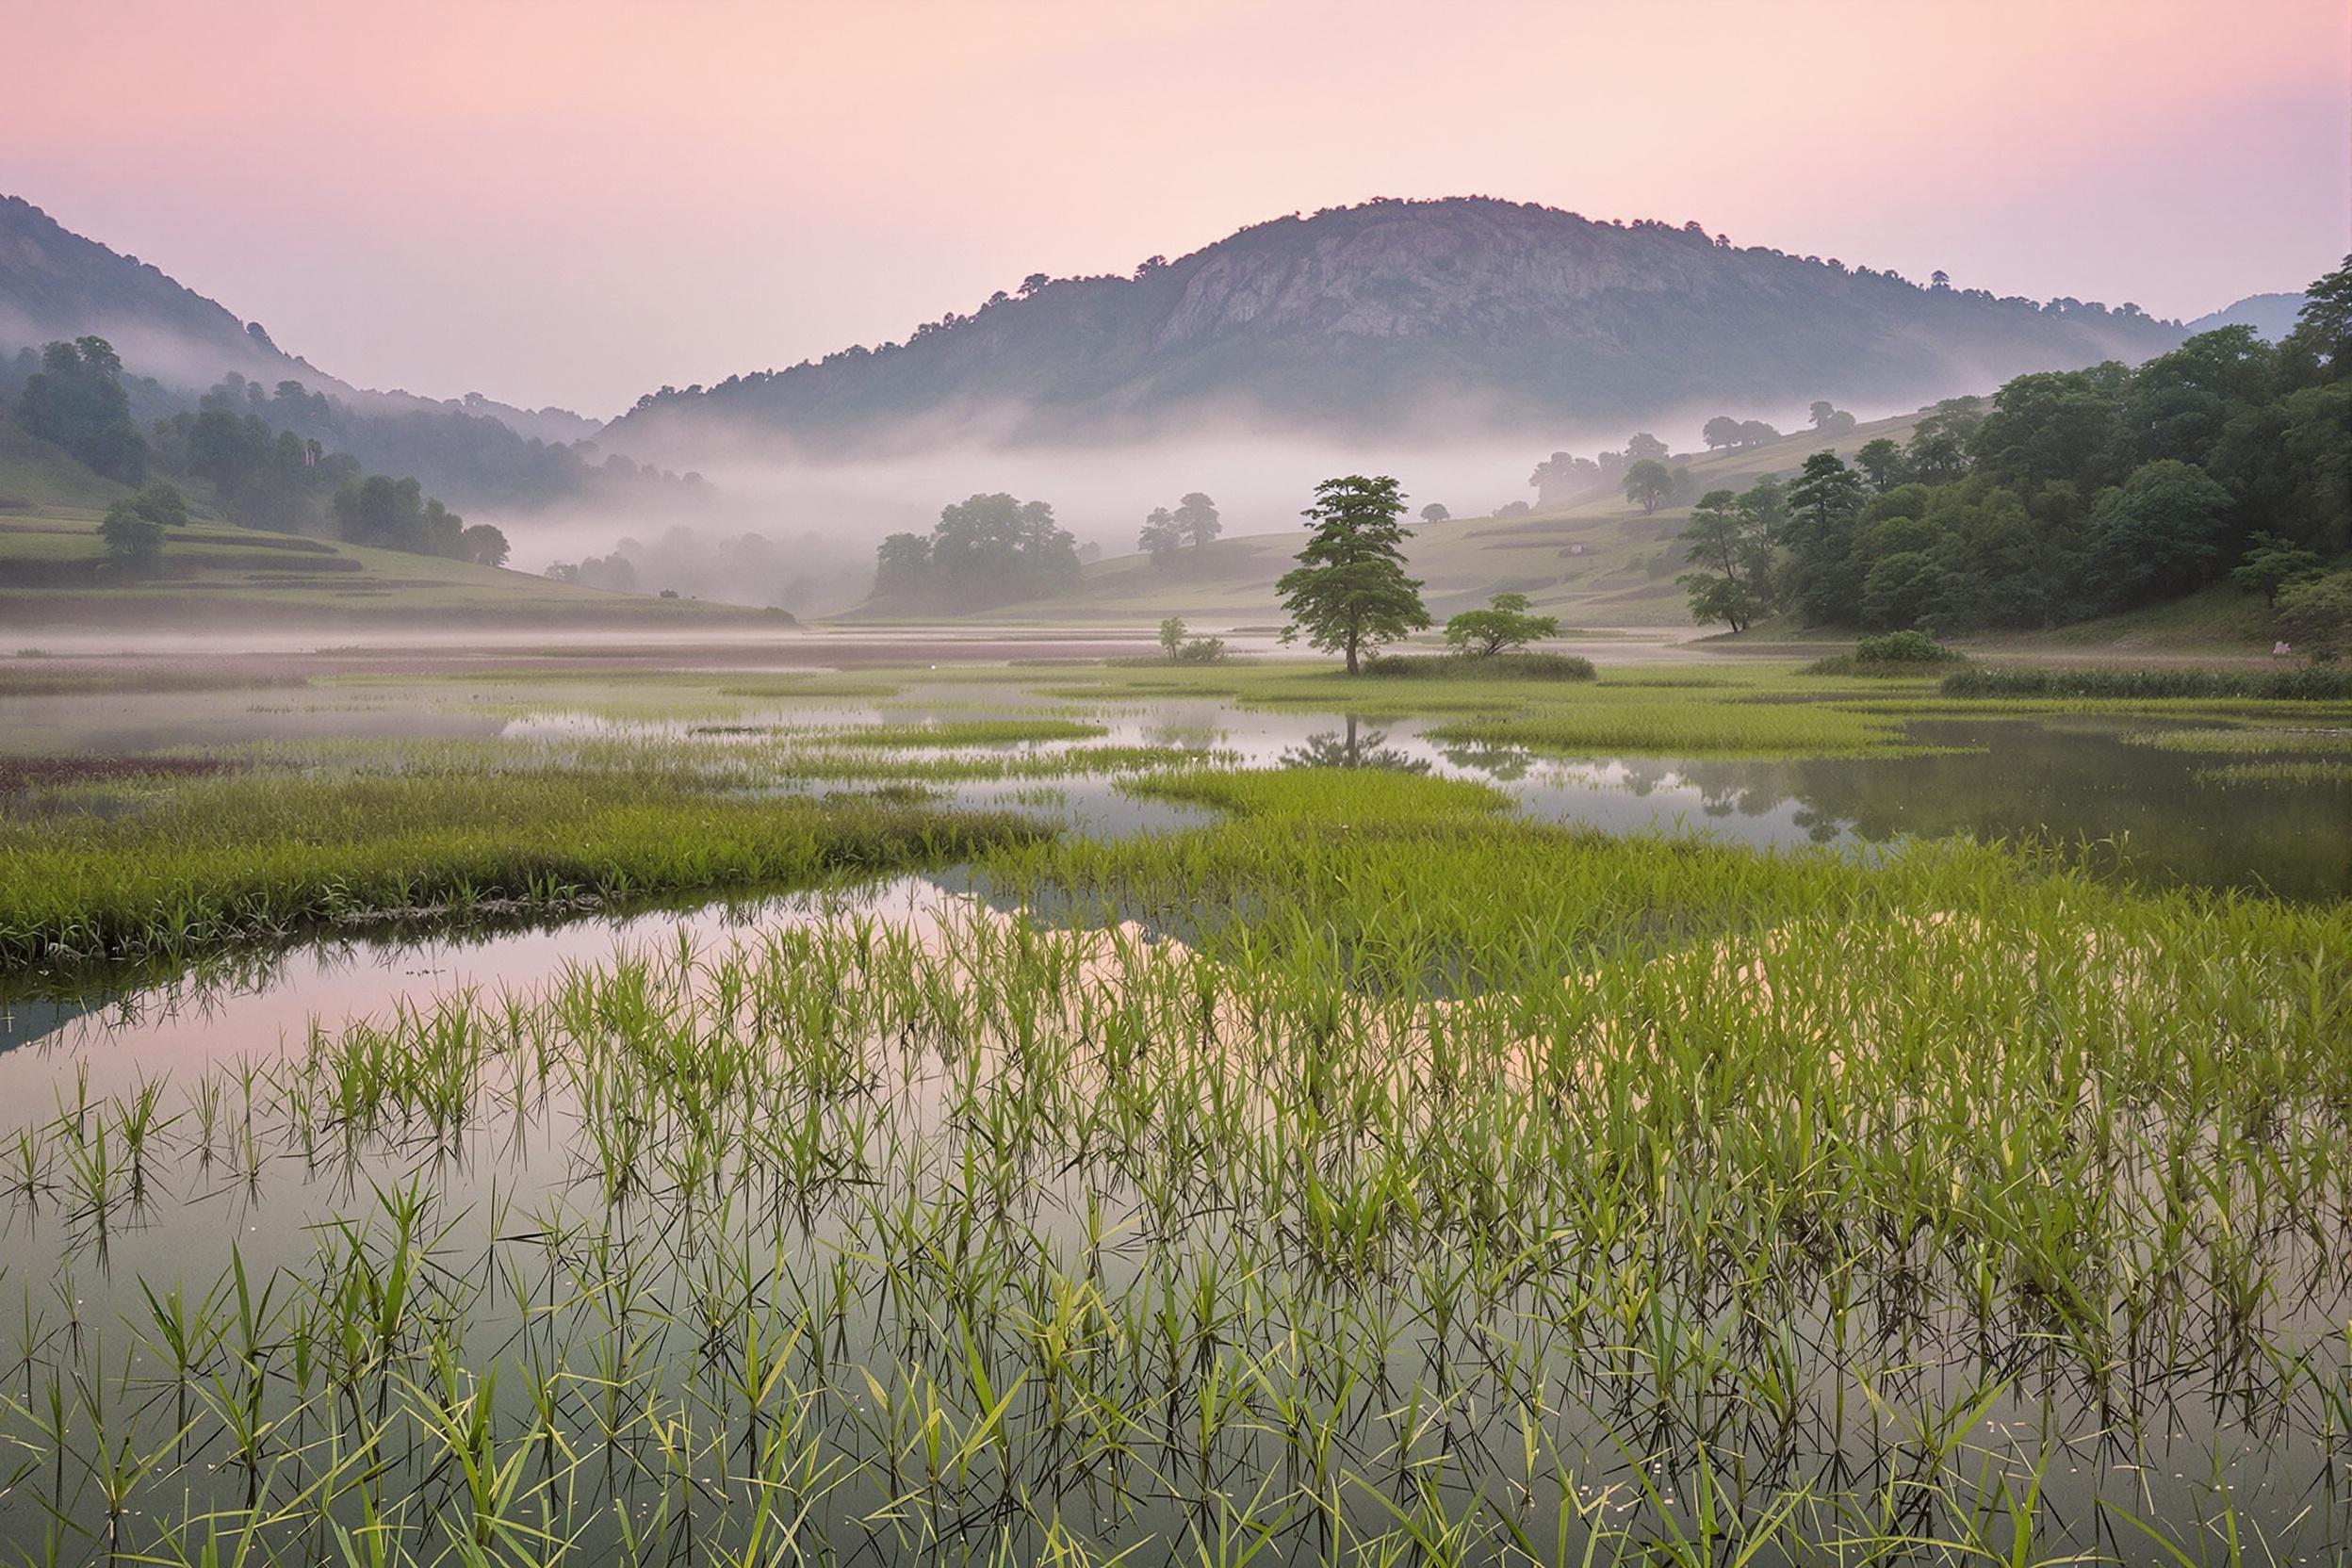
(574, 200)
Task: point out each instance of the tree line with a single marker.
(2068, 494)
(986, 550)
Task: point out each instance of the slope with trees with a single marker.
(2069, 494)
(256, 477)
(1395, 317)
(173, 344)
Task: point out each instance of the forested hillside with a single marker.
(175, 344)
(2071, 494)
(1398, 316)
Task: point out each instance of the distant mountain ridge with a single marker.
(1401, 316)
(2271, 316)
(55, 284)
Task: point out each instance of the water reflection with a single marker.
(1352, 747)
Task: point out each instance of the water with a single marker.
(533, 1259)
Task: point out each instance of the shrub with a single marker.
(1903, 647)
(1501, 666)
(1896, 653)
(1201, 650)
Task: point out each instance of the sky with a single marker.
(573, 202)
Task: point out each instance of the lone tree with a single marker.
(1729, 543)
(1649, 485)
(1160, 538)
(483, 545)
(1436, 513)
(1502, 626)
(1350, 590)
(132, 529)
(1173, 635)
(1196, 519)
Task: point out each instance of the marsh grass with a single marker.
(2310, 771)
(1370, 1175)
(2299, 683)
(1500, 667)
(2250, 739)
(255, 857)
(1727, 1206)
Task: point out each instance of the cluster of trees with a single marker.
(2072, 494)
(264, 477)
(397, 515)
(616, 572)
(1563, 475)
(986, 550)
(1192, 524)
(76, 401)
(1724, 430)
(132, 529)
(457, 448)
(261, 476)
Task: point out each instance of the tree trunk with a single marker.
(1351, 656)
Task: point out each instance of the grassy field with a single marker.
(38, 480)
(53, 573)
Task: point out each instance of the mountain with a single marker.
(176, 344)
(2271, 316)
(1395, 315)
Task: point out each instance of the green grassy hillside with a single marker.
(54, 572)
(37, 479)
(1600, 563)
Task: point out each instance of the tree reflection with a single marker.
(1351, 747)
